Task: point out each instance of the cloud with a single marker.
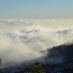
(23, 39)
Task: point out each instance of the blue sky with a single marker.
(36, 9)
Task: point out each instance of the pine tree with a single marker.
(0, 61)
(0, 64)
(37, 68)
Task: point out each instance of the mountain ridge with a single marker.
(59, 54)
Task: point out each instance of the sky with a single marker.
(36, 9)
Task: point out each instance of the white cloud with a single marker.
(20, 38)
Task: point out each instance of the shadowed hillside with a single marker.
(60, 54)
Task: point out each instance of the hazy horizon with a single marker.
(36, 9)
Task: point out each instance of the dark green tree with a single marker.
(0, 64)
(0, 61)
(37, 68)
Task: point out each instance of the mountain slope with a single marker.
(59, 54)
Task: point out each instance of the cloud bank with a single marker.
(23, 39)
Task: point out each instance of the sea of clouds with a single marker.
(23, 39)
